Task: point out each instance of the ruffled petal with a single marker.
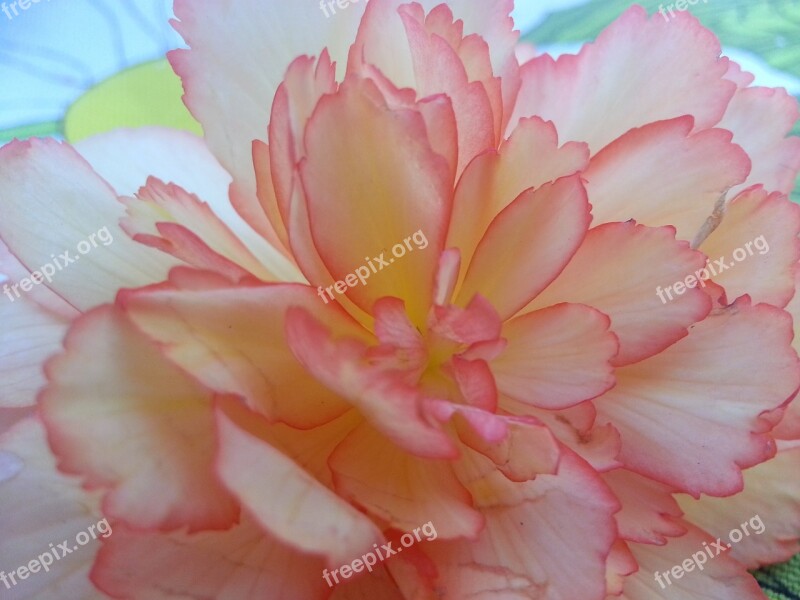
(610, 86)
(556, 357)
(400, 489)
(493, 180)
(391, 405)
(649, 512)
(620, 269)
(720, 431)
(126, 420)
(720, 576)
(232, 339)
(659, 174)
(772, 496)
(527, 245)
(761, 119)
(227, 45)
(343, 196)
(241, 562)
(570, 515)
(755, 248)
(295, 507)
(58, 211)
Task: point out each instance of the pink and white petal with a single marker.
(528, 245)
(29, 334)
(400, 489)
(122, 417)
(618, 270)
(575, 427)
(12, 271)
(349, 207)
(609, 88)
(227, 45)
(757, 239)
(527, 449)
(667, 164)
(382, 40)
(740, 77)
(649, 512)
(306, 81)
(241, 562)
(770, 504)
(231, 338)
(720, 431)
(386, 401)
(52, 200)
(761, 119)
(620, 564)
(570, 515)
(556, 357)
(157, 203)
(721, 577)
(296, 508)
(530, 158)
(126, 158)
(39, 509)
(439, 68)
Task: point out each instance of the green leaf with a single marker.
(148, 94)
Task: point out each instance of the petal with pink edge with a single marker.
(241, 562)
(570, 515)
(619, 270)
(227, 45)
(556, 357)
(529, 158)
(721, 577)
(390, 404)
(649, 512)
(401, 489)
(52, 202)
(295, 507)
(358, 213)
(755, 248)
(668, 166)
(125, 419)
(231, 338)
(720, 431)
(761, 119)
(159, 209)
(769, 504)
(527, 245)
(610, 86)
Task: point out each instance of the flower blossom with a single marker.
(516, 382)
